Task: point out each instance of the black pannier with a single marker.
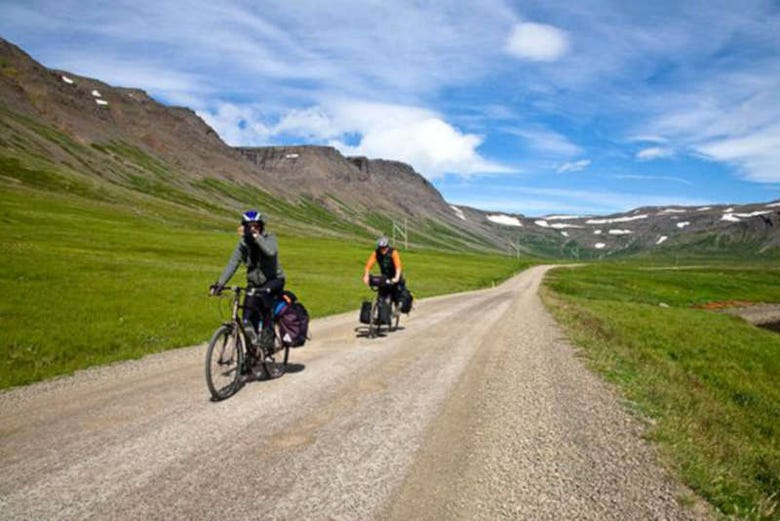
(385, 311)
(365, 312)
(405, 300)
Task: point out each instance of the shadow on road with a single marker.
(363, 331)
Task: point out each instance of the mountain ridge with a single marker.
(126, 138)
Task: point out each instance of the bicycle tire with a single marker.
(275, 365)
(374, 325)
(395, 316)
(224, 360)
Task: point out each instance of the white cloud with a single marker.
(654, 178)
(414, 135)
(648, 154)
(757, 154)
(573, 166)
(734, 124)
(238, 125)
(547, 141)
(537, 42)
(647, 139)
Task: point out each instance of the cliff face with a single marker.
(376, 184)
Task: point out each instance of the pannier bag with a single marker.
(293, 320)
(377, 281)
(406, 300)
(384, 312)
(365, 312)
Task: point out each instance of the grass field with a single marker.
(86, 282)
(708, 382)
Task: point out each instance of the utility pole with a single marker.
(515, 247)
(401, 232)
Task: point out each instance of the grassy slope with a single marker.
(88, 282)
(708, 381)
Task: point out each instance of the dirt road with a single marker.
(477, 409)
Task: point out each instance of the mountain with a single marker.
(64, 133)
(76, 132)
(737, 230)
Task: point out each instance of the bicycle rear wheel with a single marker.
(224, 359)
(275, 364)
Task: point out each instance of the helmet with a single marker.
(252, 216)
(382, 242)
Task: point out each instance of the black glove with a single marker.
(216, 289)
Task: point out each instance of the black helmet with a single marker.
(252, 216)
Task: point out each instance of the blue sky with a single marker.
(533, 107)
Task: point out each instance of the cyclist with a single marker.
(258, 251)
(389, 264)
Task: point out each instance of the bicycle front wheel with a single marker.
(374, 325)
(275, 364)
(395, 317)
(224, 359)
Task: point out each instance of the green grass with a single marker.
(86, 282)
(709, 381)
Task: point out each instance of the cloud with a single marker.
(547, 141)
(537, 42)
(647, 139)
(238, 125)
(756, 154)
(735, 124)
(414, 135)
(654, 178)
(573, 166)
(648, 154)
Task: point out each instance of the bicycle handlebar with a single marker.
(231, 289)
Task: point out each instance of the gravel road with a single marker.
(477, 409)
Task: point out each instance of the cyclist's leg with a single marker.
(268, 293)
(252, 310)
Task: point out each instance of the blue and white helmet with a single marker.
(252, 216)
(382, 242)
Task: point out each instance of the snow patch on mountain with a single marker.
(458, 212)
(506, 220)
(617, 219)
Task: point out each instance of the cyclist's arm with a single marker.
(266, 243)
(369, 264)
(397, 263)
(232, 265)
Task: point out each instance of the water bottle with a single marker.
(251, 334)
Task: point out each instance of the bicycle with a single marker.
(384, 297)
(230, 355)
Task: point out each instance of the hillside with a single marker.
(68, 134)
(63, 132)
